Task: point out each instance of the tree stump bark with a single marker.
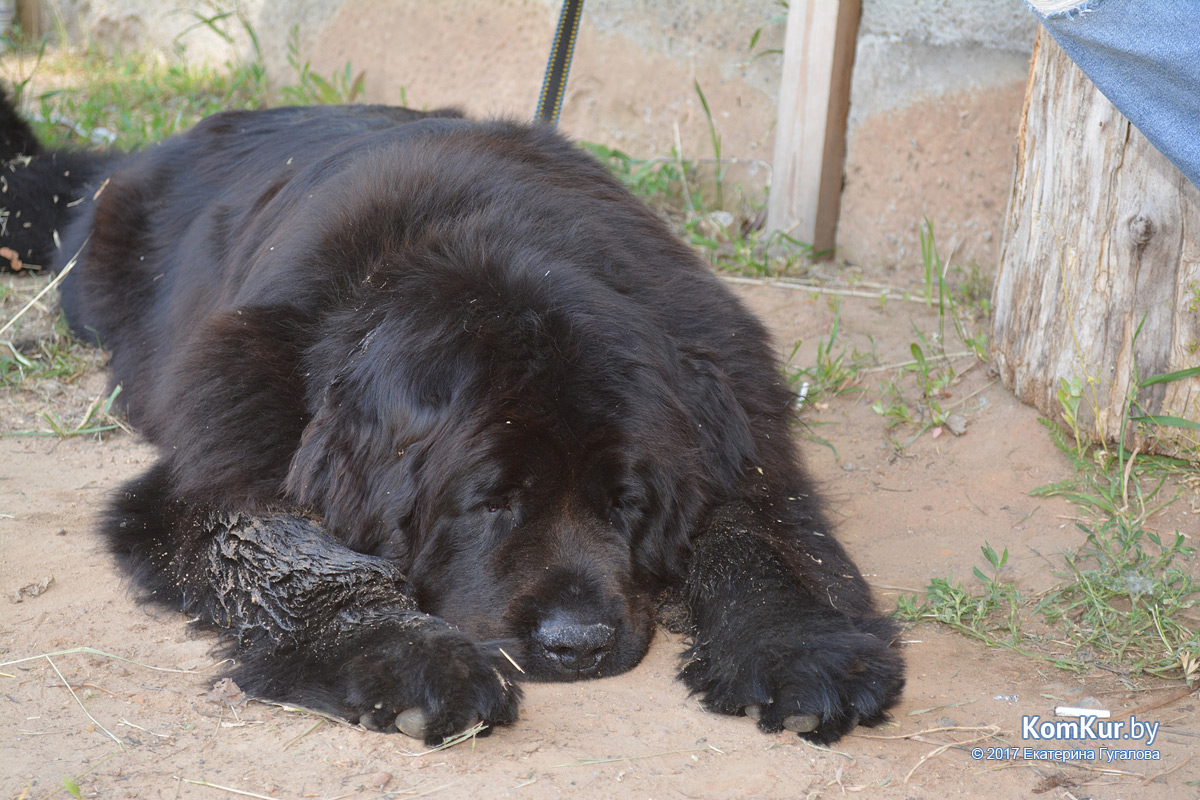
(1099, 279)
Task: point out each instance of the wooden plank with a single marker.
(810, 137)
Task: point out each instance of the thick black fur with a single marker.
(39, 190)
(431, 393)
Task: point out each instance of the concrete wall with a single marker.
(936, 91)
(631, 81)
(934, 104)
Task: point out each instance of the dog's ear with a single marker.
(360, 457)
(705, 456)
(343, 455)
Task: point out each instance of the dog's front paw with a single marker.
(819, 685)
(427, 683)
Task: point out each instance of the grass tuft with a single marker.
(934, 369)
(718, 203)
(834, 372)
(1126, 598)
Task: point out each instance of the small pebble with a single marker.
(379, 780)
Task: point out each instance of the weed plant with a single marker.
(113, 98)
(933, 368)
(1126, 597)
(52, 355)
(718, 203)
(720, 216)
(126, 100)
(834, 371)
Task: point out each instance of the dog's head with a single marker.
(534, 453)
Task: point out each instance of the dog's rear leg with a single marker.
(316, 623)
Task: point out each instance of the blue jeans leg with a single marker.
(1144, 55)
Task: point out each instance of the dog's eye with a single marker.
(628, 506)
(501, 504)
(625, 499)
(620, 510)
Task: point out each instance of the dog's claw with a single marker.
(411, 722)
(797, 723)
(801, 723)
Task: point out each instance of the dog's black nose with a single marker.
(572, 645)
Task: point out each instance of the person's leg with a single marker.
(1144, 55)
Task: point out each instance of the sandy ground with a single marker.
(143, 721)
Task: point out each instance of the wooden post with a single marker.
(810, 137)
(29, 18)
(1099, 280)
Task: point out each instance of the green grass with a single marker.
(718, 203)
(659, 182)
(97, 419)
(310, 88)
(994, 616)
(38, 356)
(962, 309)
(37, 346)
(114, 98)
(127, 101)
(834, 371)
(1126, 598)
(775, 21)
(1125, 602)
(722, 218)
(53, 357)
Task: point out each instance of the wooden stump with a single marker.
(1099, 278)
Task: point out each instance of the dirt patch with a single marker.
(907, 517)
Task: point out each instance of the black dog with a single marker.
(435, 398)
